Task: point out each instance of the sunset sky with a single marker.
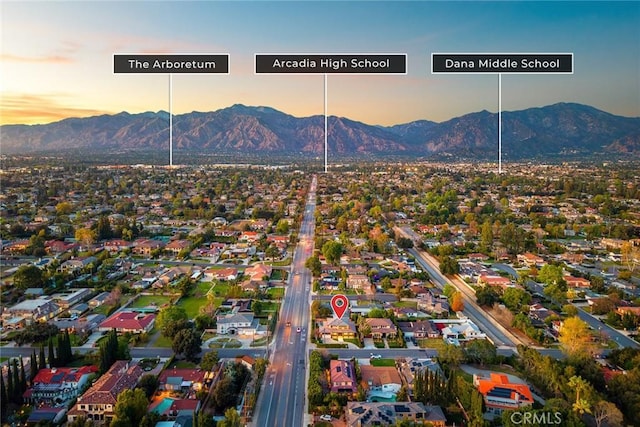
(56, 57)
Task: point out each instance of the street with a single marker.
(282, 399)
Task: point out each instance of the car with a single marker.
(298, 330)
(376, 356)
(325, 417)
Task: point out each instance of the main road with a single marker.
(499, 335)
(283, 396)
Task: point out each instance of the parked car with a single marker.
(325, 417)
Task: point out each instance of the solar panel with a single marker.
(500, 392)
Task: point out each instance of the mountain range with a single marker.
(559, 129)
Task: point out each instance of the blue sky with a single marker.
(56, 56)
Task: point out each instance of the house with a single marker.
(410, 366)
(380, 381)
(336, 329)
(181, 379)
(82, 325)
(146, 246)
(46, 415)
(176, 246)
(419, 329)
(455, 333)
(240, 321)
(359, 282)
(171, 407)
(71, 297)
(35, 310)
(628, 310)
(343, 377)
(116, 245)
(494, 280)
(577, 282)
(77, 264)
(382, 328)
(500, 394)
(225, 274)
(99, 401)
(360, 414)
(98, 300)
(258, 271)
(530, 260)
(128, 321)
(56, 386)
(433, 303)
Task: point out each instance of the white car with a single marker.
(376, 356)
(325, 417)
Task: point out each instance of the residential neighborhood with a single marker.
(463, 288)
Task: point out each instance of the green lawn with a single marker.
(221, 289)
(163, 342)
(192, 305)
(277, 293)
(204, 287)
(435, 343)
(148, 300)
(270, 306)
(383, 362)
(3, 359)
(278, 275)
(406, 304)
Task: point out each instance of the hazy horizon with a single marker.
(56, 57)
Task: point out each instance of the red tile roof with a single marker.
(520, 392)
(62, 375)
(126, 320)
(119, 377)
(193, 375)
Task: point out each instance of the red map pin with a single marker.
(339, 304)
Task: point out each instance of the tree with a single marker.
(313, 263)
(481, 351)
(131, 406)
(86, 236)
(282, 227)
(451, 355)
(550, 274)
(3, 396)
(607, 413)
(332, 251)
(570, 310)
(231, 419)
(457, 302)
(449, 265)
(209, 360)
(486, 296)
(28, 276)
(187, 342)
(575, 338)
(581, 404)
(597, 284)
(171, 319)
(272, 252)
(223, 394)
(486, 237)
(630, 255)
(148, 383)
(515, 298)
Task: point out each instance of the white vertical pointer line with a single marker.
(326, 167)
(170, 120)
(499, 123)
